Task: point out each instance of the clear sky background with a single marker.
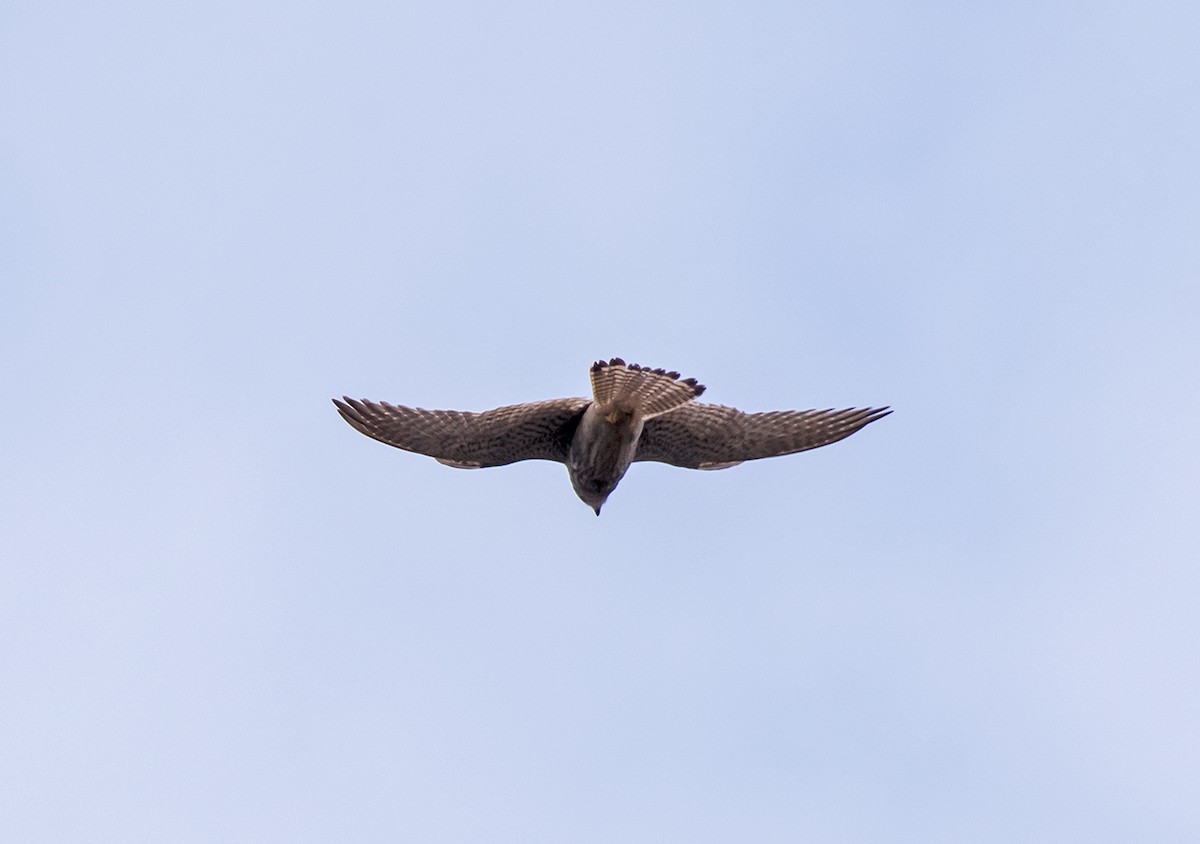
(227, 616)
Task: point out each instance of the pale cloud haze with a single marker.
(227, 616)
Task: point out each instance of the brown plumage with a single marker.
(635, 414)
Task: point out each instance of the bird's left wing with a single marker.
(712, 436)
(535, 431)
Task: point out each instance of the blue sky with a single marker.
(227, 616)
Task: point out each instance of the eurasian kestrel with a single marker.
(635, 413)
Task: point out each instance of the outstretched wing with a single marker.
(535, 431)
(712, 436)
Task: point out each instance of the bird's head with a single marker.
(592, 492)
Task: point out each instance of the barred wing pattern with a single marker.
(534, 431)
(712, 436)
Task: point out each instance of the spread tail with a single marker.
(619, 387)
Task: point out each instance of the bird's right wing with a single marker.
(712, 436)
(535, 431)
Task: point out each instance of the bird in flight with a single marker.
(635, 413)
